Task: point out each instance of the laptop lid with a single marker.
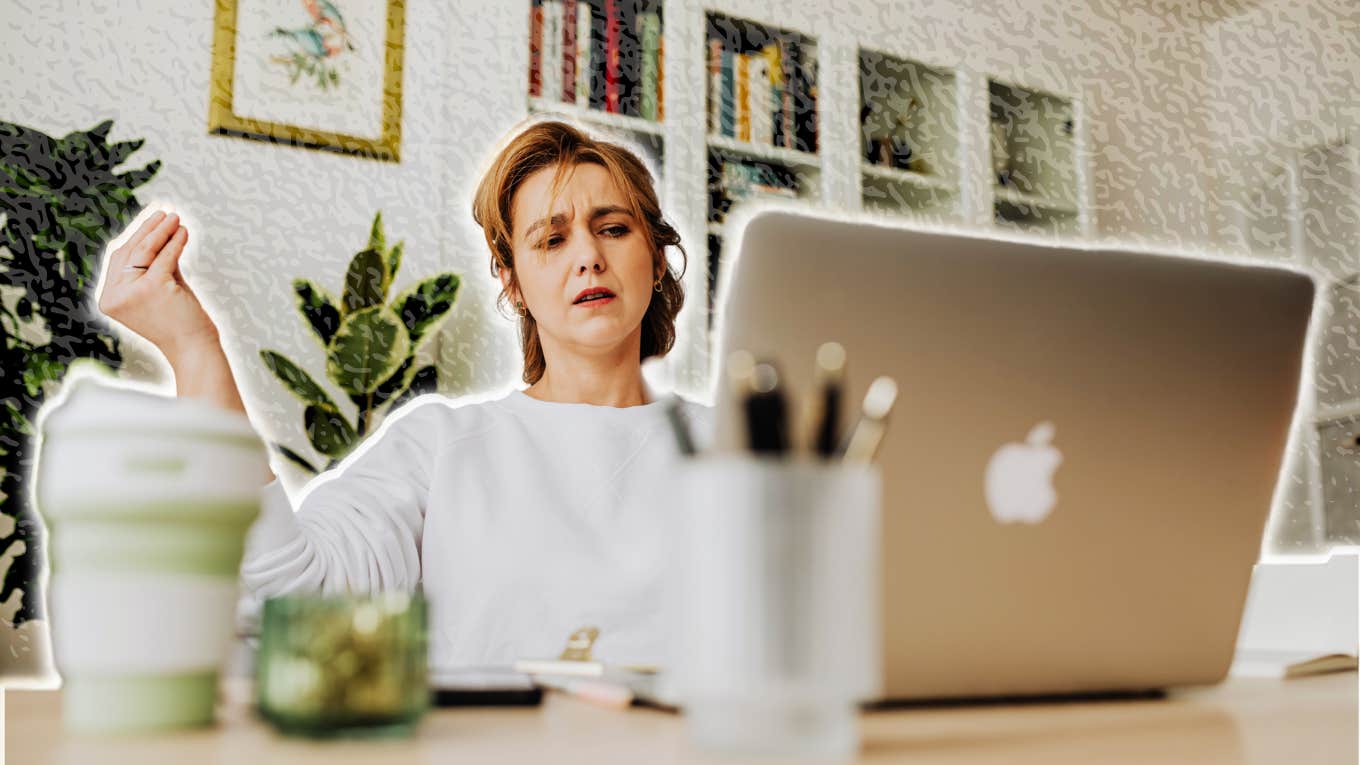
(1084, 450)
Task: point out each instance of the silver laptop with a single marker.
(1084, 450)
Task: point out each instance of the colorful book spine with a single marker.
(552, 49)
(743, 101)
(808, 124)
(728, 94)
(758, 110)
(569, 51)
(786, 123)
(536, 50)
(649, 31)
(715, 87)
(611, 56)
(583, 62)
(774, 52)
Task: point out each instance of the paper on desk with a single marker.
(1301, 617)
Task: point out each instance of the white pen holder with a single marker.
(778, 603)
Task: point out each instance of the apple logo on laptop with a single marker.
(1019, 481)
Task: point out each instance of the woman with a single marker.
(523, 518)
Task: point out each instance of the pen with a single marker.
(830, 373)
(864, 441)
(766, 418)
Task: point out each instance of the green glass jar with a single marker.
(352, 665)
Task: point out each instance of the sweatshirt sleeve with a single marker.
(357, 528)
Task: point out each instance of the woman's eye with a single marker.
(553, 241)
(615, 231)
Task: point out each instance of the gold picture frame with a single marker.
(223, 113)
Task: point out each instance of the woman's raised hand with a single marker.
(145, 291)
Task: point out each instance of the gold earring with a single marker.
(657, 285)
(521, 310)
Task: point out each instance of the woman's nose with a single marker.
(589, 255)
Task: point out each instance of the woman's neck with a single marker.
(586, 384)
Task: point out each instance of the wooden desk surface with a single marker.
(1308, 720)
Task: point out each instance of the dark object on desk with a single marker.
(487, 697)
(484, 687)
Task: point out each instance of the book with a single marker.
(804, 122)
(536, 50)
(611, 56)
(727, 94)
(583, 46)
(660, 78)
(569, 51)
(630, 58)
(786, 121)
(759, 94)
(649, 31)
(743, 99)
(598, 48)
(715, 86)
(552, 50)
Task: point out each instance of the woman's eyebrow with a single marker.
(559, 219)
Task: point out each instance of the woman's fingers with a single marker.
(145, 251)
(120, 255)
(166, 263)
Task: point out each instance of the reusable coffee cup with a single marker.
(147, 500)
(778, 604)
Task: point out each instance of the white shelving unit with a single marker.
(941, 111)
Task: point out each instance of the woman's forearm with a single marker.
(203, 372)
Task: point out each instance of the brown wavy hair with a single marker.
(551, 143)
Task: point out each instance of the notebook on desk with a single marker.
(1084, 451)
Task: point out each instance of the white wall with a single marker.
(1158, 97)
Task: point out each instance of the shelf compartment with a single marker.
(1033, 155)
(761, 84)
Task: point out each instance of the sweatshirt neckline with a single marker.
(522, 401)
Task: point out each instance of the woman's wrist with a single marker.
(202, 371)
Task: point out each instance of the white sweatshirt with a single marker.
(521, 521)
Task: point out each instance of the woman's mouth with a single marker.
(595, 301)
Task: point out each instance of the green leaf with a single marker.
(395, 384)
(297, 381)
(119, 152)
(422, 305)
(293, 457)
(426, 380)
(328, 431)
(369, 346)
(40, 368)
(393, 260)
(365, 282)
(375, 235)
(134, 178)
(318, 307)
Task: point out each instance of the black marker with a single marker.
(830, 374)
(766, 417)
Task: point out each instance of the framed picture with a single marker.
(323, 74)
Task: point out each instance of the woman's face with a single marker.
(588, 244)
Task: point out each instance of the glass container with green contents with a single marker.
(350, 665)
